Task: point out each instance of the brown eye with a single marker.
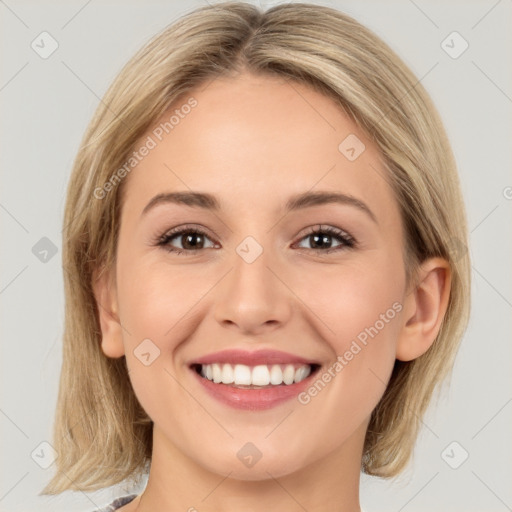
(191, 240)
(321, 239)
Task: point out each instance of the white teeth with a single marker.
(260, 375)
(302, 373)
(217, 373)
(276, 375)
(228, 375)
(288, 374)
(242, 374)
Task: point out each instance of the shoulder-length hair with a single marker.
(101, 433)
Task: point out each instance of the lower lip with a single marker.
(253, 399)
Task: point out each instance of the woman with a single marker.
(211, 337)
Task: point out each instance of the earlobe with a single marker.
(105, 293)
(424, 310)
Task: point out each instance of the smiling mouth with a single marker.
(255, 377)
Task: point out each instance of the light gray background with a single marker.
(46, 105)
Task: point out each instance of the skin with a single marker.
(253, 141)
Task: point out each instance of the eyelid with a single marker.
(330, 230)
(181, 229)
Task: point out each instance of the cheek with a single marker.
(153, 299)
(358, 312)
(156, 305)
(349, 298)
(361, 320)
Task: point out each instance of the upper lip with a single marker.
(235, 356)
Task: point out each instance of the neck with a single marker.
(178, 483)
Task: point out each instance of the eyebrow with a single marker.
(297, 202)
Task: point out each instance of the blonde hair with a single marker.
(101, 433)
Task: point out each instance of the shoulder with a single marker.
(117, 503)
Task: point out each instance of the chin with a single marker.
(251, 465)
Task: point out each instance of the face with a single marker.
(313, 283)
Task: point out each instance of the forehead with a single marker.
(255, 140)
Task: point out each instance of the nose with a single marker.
(253, 297)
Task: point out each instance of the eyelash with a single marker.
(348, 241)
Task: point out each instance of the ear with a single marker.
(424, 309)
(105, 293)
